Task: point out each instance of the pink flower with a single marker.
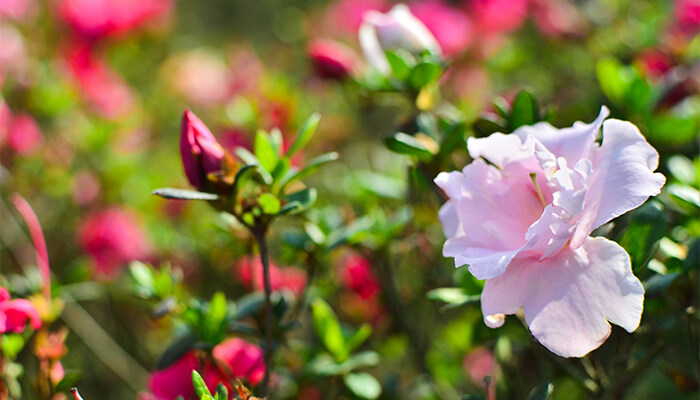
(250, 273)
(15, 313)
(332, 60)
(201, 76)
(451, 27)
(497, 16)
(348, 14)
(233, 358)
(655, 62)
(687, 16)
(17, 9)
(95, 19)
(522, 222)
(24, 135)
(480, 363)
(558, 17)
(357, 275)
(112, 238)
(201, 153)
(397, 29)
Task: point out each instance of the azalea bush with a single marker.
(349, 199)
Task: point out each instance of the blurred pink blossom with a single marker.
(332, 60)
(687, 16)
(451, 26)
(249, 272)
(95, 19)
(479, 363)
(15, 313)
(655, 63)
(348, 14)
(522, 222)
(17, 9)
(13, 54)
(233, 358)
(357, 276)
(112, 238)
(102, 87)
(24, 135)
(201, 76)
(200, 151)
(497, 16)
(558, 18)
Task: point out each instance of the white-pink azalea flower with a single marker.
(397, 29)
(521, 214)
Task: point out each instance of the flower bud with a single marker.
(332, 60)
(397, 29)
(201, 153)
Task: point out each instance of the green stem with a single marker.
(268, 348)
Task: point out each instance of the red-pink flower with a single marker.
(332, 60)
(497, 16)
(687, 16)
(655, 63)
(17, 9)
(201, 153)
(112, 238)
(24, 135)
(348, 14)
(103, 87)
(15, 313)
(95, 19)
(479, 363)
(450, 26)
(357, 276)
(233, 358)
(250, 273)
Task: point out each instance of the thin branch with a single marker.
(259, 234)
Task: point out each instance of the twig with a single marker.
(259, 234)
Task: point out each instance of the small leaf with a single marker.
(425, 73)
(363, 385)
(265, 151)
(328, 328)
(683, 169)
(524, 112)
(454, 297)
(182, 194)
(452, 139)
(613, 78)
(298, 201)
(242, 176)
(142, 276)
(269, 203)
(200, 387)
(406, 144)
(647, 226)
(543, 391)
(246, 156)
(248, 305)
(486, 126)
(69, 380)
(400, 66)
(360, 336)
(215, 317)
(305, 134)
(221, 392)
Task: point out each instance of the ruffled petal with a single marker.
(569, 299)
(622, 178)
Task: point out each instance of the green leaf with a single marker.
(400, 65)
(200, 387)
(646, 228)
(524, 112)
(328, 329)
(683, 169)
(363, 385)
(424, 74)
(181, 345)
(215, 317)
(242, 177)
(452, 139)
(543, 391)
(182, 194)
(269, 203)
(281, 169)
(672, 130)
(70, 379)
(614, 80)
(11, 344)
(486, 126)
(298, 201)
(265, 151)
(454, 297)
(221, 392)
(248, 305)
(406, 144)
(360, 336)
(312, 166)
(246, 156)
(142, 276)
(305, 134)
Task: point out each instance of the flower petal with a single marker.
(622, 179)
(568, 298)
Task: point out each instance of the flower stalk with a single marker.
(268, 348)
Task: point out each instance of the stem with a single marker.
(310, 277)
(259, 233)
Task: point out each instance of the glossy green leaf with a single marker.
(181, 345)
(242, 176)
(406, 144)
(359, 337)
(11, 344)
(452, 139)
(363, 385)
(646, 227)
(200, 387)
(269, 203)
(221, 392)
(613, 79)
(312, 166)
(400, 64)
(525, 111)
(70, 379)
(307, 131)
(424, 74)
(543, 391)
(246, 156)
(182, 194)
(298, 201)
(265, 151)
(328, 329)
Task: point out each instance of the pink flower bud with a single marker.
(15, 313)
(201, 153)
(332, 60)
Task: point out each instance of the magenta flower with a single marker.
(451, 27)
(522, 222)
(397, 29)
(498, 16)
(112, 238)
(332, 60)
(357, 276)
(200, 152)
(15, 313)
(250, 273)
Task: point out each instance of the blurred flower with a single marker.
(348, 14)
(687, 16)
(357, 276)
(95, 19)
(332, 60)
(103, 87)
(249, 272)
(523, 221)
(233, 358)
(23, 134)
(497, 16)
(451, 27)
(17, 9)
(15, 313)
(655, 63)
(201, 76)
(479, 363)
(201, 153)
(112, 238)
(13, 55)
(397, 29)
(558, 18)
(86, 188)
